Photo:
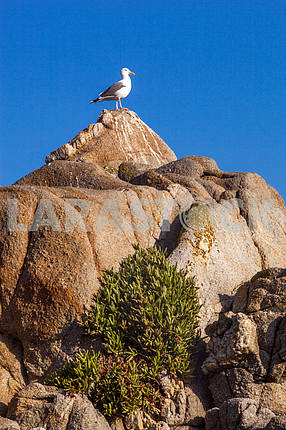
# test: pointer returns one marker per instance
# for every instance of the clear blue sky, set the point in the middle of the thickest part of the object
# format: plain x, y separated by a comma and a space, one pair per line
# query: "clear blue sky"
210, 77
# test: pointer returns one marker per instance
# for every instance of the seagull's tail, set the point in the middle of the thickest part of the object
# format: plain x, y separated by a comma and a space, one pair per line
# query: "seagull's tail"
95, 100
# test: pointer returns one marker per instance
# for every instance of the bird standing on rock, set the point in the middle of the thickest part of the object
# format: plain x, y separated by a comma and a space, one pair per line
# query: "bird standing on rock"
117, 91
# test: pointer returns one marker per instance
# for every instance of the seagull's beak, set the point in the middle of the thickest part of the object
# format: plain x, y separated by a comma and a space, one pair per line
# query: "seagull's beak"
131, 73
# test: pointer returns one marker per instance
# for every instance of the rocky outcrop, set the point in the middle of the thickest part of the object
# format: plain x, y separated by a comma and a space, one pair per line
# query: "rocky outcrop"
62, 173
117, 183
49, 273
247, 347
12, 372
39, 406
233, 224
6, 424
243, 414
180, 408
118, 136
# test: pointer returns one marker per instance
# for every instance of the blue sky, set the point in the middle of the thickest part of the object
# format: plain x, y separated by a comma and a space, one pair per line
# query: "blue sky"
210, 77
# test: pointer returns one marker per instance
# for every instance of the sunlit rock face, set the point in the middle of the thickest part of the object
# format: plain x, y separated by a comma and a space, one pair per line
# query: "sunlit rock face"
118, 136
117, 184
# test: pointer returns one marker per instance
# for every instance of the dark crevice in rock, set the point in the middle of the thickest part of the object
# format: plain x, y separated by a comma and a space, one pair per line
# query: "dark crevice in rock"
93, 251
21, 272
16, 342
168, 239
228, 381
260, 252
24, 370
276, 333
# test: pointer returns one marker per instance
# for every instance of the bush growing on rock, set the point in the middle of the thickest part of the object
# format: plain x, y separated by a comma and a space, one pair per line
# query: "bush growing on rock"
146, 316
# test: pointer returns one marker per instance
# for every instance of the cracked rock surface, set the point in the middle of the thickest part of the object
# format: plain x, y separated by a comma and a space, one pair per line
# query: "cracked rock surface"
243, 414
246, 351
114, 185
135, 141
39, 406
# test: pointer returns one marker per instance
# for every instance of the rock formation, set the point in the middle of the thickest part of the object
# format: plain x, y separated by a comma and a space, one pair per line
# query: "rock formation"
115, 184
118, 136
243, 413
39, 406
247, 347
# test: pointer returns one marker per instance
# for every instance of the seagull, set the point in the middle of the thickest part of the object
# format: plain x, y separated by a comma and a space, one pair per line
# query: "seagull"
117, 91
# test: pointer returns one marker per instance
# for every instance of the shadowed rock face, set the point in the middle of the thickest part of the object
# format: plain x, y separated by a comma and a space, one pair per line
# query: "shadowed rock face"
243, 413
247, 347
117, 183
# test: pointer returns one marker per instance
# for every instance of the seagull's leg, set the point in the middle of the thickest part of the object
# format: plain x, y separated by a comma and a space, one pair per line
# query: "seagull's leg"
116, 104
121, 105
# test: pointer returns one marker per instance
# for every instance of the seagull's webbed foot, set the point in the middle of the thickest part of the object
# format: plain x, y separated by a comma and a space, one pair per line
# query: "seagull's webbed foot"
121, 108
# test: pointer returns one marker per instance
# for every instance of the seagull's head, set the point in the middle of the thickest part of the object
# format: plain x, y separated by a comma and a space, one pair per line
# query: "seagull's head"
126, 71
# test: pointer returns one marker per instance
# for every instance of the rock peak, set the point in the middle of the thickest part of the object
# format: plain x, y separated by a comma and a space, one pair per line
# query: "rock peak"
117, 136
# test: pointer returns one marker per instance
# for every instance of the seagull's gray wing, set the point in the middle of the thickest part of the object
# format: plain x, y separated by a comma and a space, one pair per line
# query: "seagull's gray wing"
112, 90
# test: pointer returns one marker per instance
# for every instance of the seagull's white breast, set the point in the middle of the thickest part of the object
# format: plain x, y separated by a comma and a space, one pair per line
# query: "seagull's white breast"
125, 90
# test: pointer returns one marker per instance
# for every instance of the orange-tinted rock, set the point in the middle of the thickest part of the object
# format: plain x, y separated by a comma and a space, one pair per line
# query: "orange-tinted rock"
65, 223
118, 136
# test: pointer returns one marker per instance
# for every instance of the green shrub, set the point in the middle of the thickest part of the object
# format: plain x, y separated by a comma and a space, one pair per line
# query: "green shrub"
146, 316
